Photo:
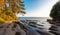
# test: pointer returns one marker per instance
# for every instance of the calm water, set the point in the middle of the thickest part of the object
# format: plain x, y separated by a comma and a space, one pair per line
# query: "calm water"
34, 18
43, 21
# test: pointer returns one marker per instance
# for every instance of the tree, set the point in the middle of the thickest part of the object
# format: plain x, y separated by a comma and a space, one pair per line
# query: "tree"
55, 12
8, 12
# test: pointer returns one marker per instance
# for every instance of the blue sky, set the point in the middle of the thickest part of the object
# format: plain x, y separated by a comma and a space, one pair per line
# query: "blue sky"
38, 8
33, 4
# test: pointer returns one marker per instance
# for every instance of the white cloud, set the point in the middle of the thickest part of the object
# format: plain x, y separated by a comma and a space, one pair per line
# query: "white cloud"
41, 11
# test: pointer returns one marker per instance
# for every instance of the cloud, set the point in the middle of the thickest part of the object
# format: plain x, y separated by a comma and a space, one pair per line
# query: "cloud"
43, 11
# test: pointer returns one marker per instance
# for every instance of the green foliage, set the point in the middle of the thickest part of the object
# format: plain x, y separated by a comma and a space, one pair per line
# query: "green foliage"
55, 12
1, 21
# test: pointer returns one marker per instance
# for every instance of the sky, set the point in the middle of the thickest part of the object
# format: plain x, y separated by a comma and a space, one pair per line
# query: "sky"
37, 8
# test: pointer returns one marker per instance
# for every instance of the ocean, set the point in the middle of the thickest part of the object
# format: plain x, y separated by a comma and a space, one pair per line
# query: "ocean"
34, 18
42, 21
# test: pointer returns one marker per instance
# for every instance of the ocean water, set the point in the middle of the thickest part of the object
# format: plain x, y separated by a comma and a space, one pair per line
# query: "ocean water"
41, 21
34, 18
